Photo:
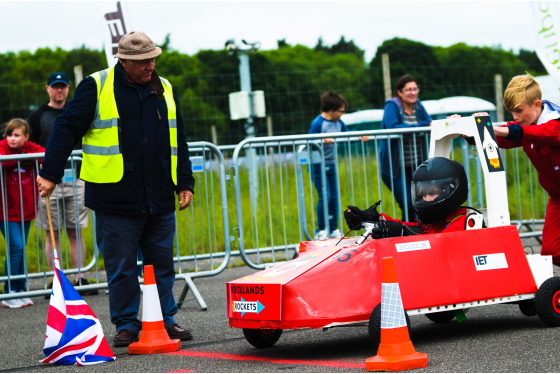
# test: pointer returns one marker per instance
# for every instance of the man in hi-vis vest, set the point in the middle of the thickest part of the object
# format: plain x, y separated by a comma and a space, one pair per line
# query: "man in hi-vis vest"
135, 159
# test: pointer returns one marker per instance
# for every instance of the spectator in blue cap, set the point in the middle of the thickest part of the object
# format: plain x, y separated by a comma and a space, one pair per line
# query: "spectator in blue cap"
65, 214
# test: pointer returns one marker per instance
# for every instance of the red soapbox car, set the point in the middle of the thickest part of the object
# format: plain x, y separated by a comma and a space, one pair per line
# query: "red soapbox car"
439, 275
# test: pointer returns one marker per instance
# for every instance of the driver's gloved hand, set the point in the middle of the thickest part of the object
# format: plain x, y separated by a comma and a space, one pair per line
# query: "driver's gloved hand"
355, 217
391, 229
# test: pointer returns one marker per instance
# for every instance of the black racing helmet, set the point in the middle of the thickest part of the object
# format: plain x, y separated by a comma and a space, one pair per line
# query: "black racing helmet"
439, 186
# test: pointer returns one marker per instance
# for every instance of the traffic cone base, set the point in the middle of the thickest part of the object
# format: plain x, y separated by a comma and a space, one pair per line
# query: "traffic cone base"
397, 363
153, 337
139, 348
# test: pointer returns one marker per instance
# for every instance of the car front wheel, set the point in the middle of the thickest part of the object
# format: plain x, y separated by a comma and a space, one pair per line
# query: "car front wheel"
547, 301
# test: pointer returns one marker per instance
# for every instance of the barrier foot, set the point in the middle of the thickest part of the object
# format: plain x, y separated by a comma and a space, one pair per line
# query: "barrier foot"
189, 284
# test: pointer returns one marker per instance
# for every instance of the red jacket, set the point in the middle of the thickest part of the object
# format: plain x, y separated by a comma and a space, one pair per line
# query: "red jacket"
11, 181
541, 143
453, 222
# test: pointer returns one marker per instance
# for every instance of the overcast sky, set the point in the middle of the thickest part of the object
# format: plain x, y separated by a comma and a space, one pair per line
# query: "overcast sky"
195, 25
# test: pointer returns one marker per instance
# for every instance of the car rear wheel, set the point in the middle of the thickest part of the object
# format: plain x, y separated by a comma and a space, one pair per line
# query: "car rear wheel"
528, 308
374, 326
547, 301
262, 338
441, 317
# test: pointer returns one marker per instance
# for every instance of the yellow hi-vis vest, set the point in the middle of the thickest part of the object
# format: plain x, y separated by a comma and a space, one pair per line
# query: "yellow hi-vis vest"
102, 160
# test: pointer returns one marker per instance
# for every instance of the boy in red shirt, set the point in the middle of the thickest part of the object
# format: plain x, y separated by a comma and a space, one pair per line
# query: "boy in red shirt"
536, 128
16, 174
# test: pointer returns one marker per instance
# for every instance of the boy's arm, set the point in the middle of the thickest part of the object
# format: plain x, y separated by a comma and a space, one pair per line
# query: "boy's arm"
509, 135
547, 133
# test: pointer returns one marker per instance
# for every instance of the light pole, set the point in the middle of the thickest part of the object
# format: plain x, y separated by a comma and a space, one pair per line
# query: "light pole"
242, 107
241, 51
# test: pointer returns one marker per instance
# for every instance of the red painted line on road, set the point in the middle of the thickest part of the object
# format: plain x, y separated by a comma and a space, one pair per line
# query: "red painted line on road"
180, 371
227, 356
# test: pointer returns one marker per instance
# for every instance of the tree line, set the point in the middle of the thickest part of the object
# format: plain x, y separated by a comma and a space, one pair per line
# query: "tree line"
292, 77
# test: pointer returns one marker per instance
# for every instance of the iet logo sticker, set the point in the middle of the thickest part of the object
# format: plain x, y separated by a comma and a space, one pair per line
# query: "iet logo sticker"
490, 262
416, 246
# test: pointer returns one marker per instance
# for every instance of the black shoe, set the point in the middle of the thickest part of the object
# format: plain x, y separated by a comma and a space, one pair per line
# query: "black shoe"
124, 338
85, 292
177, 332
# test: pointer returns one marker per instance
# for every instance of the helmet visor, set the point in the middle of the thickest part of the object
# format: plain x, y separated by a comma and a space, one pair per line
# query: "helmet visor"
434, 189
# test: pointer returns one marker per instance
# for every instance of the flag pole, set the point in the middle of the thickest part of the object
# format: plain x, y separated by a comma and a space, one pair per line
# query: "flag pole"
51, 226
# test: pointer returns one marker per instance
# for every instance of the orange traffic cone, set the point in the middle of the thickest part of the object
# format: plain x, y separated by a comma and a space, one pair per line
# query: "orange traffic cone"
396, 351
153, 337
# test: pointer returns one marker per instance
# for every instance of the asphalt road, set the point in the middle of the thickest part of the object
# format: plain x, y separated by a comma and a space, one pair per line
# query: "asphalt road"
493, 339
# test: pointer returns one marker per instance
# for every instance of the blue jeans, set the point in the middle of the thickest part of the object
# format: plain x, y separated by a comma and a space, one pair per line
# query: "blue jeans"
332, 196
118, 238
399, 192
17, 244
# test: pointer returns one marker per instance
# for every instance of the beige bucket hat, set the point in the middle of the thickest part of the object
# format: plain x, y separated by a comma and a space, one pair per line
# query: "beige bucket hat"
136, 45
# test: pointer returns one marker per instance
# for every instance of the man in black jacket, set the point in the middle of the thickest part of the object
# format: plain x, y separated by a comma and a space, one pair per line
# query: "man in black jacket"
135, 159
74, 215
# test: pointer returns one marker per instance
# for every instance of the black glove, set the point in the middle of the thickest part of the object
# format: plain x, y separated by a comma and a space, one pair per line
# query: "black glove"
391, 229
354, 216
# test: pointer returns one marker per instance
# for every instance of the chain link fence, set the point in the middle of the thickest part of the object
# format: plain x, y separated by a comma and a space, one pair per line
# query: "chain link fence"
292, 97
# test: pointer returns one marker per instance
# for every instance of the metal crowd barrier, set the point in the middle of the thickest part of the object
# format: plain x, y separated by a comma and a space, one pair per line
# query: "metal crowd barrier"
275, 197
37, 280
202, 242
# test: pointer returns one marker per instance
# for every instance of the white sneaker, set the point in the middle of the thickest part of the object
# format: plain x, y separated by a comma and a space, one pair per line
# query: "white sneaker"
13, 303
27, 301
321, 235
336, 234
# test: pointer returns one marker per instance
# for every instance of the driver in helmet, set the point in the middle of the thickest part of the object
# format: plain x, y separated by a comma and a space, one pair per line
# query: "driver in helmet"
439, 187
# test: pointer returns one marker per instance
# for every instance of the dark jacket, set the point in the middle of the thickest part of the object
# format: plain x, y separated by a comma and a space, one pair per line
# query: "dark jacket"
144, 142
41, 122
393, 118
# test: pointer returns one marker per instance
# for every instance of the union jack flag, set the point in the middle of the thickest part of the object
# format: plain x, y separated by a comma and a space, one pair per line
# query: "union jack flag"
74, 334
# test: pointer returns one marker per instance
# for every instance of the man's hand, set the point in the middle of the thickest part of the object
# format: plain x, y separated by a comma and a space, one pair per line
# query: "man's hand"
185, 198
46, 187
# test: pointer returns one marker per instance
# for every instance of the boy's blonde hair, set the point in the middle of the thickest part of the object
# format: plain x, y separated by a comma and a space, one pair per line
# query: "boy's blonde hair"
16, 123
522, 89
